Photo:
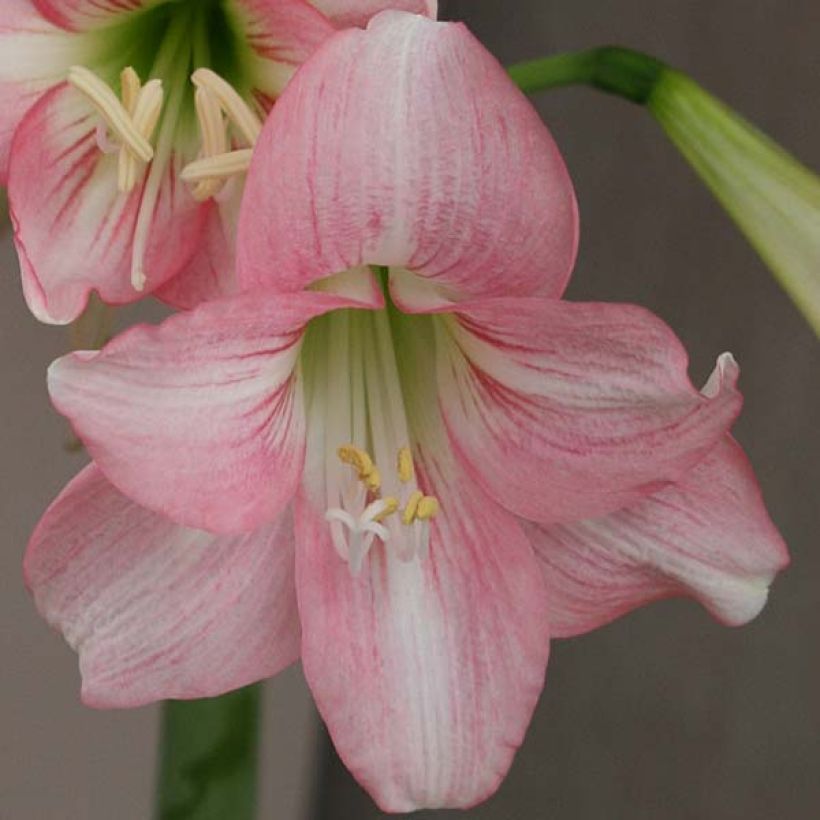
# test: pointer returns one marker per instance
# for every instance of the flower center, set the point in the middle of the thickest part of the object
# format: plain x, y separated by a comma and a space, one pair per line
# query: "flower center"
184, 51
404, 520
360, 463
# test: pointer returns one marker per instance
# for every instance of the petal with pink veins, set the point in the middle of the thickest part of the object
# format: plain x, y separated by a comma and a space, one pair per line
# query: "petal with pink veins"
200, 418
565, 411
708, 536
426, 672
80, 15
283, 34
421, 154
34, 55
346, 13
156, 610
211, 272
74, 230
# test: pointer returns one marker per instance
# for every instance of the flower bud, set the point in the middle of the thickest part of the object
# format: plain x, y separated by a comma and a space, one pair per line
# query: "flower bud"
773, 199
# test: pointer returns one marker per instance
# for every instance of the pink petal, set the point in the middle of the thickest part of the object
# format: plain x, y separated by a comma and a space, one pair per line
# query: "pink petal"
79, 15
565, 411
420, 154
346, 13
34, 55
156, 610
708, 536
284, 33
74, 231
426, 672
211, 272
200, 418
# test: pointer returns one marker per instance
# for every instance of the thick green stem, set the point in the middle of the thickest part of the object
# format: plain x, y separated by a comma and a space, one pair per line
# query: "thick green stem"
208, 758
620, 71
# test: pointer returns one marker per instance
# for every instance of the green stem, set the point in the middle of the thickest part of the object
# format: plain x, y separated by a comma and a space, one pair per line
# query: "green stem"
208, 758
620, 71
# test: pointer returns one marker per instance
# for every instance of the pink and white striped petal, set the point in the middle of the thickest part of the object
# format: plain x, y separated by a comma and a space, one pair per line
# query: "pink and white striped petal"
211, 272
283, 34
426, 673
708, 536
347, 13
156, 610
422, 154
81, 15
34, 55
200, 418
564, 411
74, 230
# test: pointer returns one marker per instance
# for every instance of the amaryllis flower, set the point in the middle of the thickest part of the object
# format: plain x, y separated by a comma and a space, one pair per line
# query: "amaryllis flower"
399, 432
125, 131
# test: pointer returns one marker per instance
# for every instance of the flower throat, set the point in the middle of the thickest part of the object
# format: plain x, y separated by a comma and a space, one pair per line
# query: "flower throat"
361, 435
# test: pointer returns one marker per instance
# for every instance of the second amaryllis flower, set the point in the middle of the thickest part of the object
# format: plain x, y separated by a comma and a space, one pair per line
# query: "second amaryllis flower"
462, 458
126, 129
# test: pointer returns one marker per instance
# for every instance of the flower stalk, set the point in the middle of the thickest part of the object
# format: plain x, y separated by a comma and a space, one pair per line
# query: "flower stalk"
209, 757
772, 198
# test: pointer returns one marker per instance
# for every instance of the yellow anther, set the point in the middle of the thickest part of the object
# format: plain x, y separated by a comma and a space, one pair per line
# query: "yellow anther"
428, 508
356, 458
405, 465
411, 509
392, 504
373, 480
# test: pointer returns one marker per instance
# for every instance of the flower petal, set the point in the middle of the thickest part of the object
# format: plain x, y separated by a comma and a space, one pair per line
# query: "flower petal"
346, 13
708, 536
34, 55
211, 272
200, 418
156, 610
74, 231
283, 34
426, 672
79, 15
565, 411
421, 154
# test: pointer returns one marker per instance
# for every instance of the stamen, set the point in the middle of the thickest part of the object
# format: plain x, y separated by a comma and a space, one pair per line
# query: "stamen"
391, 504
356, 457
428, 508
130, 87
111, 110
217, 168
405, 465
236, 109
132, 120
145, 115
217, 164
214, 143
373, 480
411, 508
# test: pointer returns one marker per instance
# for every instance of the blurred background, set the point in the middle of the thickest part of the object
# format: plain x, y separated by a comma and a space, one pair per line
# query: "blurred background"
663, 714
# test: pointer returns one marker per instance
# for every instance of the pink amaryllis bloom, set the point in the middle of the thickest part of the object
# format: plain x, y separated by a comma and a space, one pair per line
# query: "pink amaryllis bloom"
126, 127
407, 462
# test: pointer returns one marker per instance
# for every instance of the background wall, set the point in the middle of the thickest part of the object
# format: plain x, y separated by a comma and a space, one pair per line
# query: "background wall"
661, 715
666, 715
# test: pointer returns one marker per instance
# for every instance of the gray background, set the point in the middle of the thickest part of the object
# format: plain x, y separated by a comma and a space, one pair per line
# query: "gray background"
661, 715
